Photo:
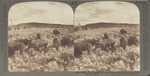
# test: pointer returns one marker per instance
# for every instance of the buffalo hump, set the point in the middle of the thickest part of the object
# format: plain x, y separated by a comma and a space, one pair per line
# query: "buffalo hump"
123, 31
80, 47
91, 41
132, 40
66, 41
105, 44
14, 46
56, 32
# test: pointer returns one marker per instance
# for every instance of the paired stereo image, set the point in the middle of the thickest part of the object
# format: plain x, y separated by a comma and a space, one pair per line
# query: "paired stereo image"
98, 36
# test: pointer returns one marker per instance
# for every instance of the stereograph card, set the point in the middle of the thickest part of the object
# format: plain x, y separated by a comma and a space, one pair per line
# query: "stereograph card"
74, 37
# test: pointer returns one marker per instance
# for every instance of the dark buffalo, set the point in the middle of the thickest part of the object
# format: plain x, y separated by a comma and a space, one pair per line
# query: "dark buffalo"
56, 32
132, 40
56, 43
105, 36
91, 41
38, 36
14, 46
25, 41
37, 44
80, 47
123, 43
65, 41
105, 45
123, 31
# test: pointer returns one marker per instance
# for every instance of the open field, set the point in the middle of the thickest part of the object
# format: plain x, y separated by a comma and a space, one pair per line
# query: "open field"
64, 60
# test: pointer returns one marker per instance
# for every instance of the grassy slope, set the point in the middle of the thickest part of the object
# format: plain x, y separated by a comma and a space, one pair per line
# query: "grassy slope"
98, 60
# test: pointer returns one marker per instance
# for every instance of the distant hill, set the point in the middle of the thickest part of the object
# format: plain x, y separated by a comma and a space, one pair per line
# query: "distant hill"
38, 25
85, 27
110, 25
104, 25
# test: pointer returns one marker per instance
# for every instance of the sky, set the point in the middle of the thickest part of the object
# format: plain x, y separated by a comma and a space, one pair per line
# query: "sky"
43, 12
61, 13
107, 11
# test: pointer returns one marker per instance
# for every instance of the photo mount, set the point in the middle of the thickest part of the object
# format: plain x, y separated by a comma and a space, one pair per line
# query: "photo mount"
144, 8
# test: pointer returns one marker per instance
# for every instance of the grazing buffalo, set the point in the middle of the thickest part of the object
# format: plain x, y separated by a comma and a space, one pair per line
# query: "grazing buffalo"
123, 43
65, 41
123, 31
105, 36
56, 32
37, 44
56, 43
25, 41
91, 41
80, 47
14, 46
132, 40
105, 45
38, 36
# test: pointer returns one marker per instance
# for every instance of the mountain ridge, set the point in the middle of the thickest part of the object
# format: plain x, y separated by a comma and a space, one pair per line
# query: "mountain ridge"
48, 25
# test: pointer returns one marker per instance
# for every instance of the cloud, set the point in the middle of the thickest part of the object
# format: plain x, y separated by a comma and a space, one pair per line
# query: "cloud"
107, 11
44, 12
90, 12
98, 12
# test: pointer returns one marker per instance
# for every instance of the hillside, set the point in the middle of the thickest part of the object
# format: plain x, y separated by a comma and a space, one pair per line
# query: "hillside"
110, 25
38, 25
84, 27
104, 25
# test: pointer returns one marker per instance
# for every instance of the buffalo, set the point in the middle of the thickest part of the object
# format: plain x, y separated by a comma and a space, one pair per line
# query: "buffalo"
132, 40
37, 44
38, 36
123, 42
91, 41
80, 47
25, 41
14, 46
105, 36
123, 31
56, 43
105, 44
66, 41
56, 32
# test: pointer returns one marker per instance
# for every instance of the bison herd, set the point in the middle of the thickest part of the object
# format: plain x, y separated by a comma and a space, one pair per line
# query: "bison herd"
105, 43
38, 43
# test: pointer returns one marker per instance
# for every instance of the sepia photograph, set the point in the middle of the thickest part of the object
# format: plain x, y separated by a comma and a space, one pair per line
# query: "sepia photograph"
101, 36
40, 37
107, 36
